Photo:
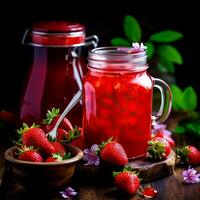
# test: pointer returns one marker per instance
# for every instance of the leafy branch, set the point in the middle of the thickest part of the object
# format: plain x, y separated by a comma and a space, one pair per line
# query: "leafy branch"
161, 53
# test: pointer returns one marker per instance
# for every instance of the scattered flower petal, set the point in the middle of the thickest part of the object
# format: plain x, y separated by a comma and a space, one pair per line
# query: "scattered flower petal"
68, 193
190, 176
90, 155
136, 48
161, 128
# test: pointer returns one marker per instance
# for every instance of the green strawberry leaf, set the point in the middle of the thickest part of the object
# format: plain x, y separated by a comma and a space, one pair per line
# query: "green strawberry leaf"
166, 36
189, 99
120, 42
132, 29
169, 54
150, 49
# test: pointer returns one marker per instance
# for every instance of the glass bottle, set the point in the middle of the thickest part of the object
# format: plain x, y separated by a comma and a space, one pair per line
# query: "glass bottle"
56, 70
117, 94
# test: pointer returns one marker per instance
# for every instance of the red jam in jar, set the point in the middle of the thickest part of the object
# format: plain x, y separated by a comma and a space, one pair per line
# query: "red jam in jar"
117, 93
56, 70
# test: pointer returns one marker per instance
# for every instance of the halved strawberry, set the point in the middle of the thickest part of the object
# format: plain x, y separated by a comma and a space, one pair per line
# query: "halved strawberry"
51, 119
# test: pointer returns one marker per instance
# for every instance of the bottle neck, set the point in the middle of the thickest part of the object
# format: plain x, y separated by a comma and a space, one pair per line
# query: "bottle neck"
115, 59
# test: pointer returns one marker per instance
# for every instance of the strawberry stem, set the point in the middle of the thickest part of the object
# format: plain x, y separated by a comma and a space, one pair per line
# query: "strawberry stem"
50, 115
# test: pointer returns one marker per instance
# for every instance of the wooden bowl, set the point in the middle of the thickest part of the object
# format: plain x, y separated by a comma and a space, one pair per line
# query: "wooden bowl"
44, 175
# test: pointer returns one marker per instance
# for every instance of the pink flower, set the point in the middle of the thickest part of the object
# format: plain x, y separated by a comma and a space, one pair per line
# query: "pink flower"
161, 128
190, 176
68, 193
90, 155
136, 48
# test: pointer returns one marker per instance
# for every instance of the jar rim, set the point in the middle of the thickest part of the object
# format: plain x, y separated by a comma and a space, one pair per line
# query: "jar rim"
118, 58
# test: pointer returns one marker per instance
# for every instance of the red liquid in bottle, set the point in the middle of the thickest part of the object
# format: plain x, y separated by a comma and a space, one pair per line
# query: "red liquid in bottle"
56, 71
118, 105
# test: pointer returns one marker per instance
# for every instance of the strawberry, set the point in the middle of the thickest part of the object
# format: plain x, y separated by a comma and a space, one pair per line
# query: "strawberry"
189, 154
62, 135
29, 154
57, 157
54, 158
36, 137
127, 181
169, 139
75, 137
51, 119
158, 148
59, 148
113, 153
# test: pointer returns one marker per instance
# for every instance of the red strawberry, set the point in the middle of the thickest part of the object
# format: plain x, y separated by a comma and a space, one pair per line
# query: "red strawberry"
57, 157
62, 135
29, 154
158, 148
113, 153
51, 119
54, 158
76, 138
59, 148
169, 139
36, 137
127, 181
189, 154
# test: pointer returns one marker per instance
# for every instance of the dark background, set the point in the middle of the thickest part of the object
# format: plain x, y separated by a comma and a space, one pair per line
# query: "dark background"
101, 19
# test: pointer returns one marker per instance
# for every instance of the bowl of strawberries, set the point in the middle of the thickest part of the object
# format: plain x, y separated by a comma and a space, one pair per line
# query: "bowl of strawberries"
39, 162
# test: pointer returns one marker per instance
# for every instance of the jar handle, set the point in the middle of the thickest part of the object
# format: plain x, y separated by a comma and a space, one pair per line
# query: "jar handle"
92, 40
166, 101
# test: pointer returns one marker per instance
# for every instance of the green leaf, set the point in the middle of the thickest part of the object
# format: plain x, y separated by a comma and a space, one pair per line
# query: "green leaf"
189, 99
177, 102
179, 130
193, 128
166, 66
132, 29
169, 54
120, 42
150, 49
166, 36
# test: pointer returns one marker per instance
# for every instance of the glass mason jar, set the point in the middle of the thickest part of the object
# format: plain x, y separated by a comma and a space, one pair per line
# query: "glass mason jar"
117, 94
56, 70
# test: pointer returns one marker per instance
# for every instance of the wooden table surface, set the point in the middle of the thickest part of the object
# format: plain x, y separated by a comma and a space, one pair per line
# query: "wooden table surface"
169, 188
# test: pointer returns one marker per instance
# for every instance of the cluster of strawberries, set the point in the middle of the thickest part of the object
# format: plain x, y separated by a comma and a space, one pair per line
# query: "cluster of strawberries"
161, 145
159, 148
35, 146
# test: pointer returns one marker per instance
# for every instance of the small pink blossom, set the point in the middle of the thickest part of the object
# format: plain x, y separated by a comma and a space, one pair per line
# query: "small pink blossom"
161, 128
90, 155
190, 176
68, 193
136, 48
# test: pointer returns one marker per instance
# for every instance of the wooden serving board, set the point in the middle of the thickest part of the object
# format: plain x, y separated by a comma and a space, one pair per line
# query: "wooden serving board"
148, 170
151, 170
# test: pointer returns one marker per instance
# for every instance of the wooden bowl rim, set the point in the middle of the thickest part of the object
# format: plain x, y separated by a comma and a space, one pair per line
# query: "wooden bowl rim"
77, 151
